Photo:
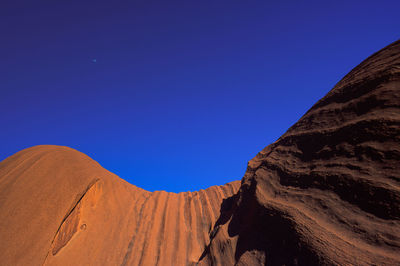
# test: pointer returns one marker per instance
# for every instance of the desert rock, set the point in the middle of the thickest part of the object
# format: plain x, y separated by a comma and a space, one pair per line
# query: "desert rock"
327, 192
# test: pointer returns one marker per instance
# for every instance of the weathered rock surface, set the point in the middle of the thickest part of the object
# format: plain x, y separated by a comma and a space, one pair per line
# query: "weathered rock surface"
59, 207
326, 193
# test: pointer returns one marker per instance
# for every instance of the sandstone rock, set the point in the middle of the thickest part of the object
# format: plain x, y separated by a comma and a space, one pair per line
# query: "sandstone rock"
326, 193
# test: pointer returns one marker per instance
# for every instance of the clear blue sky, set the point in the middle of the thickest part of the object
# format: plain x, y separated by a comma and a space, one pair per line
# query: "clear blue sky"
175, 95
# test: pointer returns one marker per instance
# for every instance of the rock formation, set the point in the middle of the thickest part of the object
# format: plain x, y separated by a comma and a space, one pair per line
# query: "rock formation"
60, 207
326, 193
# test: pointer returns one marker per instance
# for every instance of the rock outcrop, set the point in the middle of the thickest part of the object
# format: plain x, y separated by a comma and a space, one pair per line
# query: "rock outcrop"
326, 193
59, 207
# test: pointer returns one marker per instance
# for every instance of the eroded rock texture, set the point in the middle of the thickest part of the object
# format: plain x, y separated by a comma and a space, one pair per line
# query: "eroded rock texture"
59, 207
325, 193
328, 191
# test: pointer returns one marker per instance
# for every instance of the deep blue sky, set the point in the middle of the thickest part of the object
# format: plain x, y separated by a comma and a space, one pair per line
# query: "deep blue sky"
182, 93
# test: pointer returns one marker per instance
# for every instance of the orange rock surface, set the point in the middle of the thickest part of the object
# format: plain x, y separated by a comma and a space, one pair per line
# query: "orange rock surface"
60, 207
326, 193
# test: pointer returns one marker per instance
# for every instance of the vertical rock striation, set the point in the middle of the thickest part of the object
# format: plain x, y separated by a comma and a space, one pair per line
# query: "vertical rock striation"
59, 207
326, 193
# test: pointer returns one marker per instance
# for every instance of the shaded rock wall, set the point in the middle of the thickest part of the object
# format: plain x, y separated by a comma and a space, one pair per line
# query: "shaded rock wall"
327, 191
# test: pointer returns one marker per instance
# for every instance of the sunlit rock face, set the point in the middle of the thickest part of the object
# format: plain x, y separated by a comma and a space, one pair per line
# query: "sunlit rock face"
326, 193
60, 207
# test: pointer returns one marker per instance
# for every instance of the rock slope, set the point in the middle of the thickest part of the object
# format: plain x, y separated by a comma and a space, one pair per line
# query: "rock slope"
326, 193
59, 207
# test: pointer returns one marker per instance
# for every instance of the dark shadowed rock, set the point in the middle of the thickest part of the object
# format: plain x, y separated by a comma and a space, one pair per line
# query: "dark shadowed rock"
326, 193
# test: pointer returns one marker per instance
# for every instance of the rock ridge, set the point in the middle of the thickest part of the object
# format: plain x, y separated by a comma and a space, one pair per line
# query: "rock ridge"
327, 192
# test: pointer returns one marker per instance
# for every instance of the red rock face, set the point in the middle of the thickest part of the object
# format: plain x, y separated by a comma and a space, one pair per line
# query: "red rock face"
59, 207
328, 190
325, 193
70, 224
